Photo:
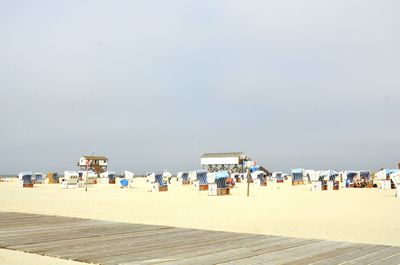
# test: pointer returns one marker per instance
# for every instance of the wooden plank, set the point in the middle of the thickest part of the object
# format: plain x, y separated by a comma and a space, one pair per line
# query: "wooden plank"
283, 256
390, 260
175, 253
375, 256
104, 242
243, 253
324, 254
347, 256
43, 239
150, 251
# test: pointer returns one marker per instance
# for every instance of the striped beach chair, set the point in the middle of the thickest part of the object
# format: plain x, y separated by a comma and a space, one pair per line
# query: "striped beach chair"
183, 178
348, 177
202, 178
220, 187
158, 183
297, 176
199, 178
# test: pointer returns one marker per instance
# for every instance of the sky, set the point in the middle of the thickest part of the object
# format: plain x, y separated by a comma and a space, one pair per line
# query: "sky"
153, 85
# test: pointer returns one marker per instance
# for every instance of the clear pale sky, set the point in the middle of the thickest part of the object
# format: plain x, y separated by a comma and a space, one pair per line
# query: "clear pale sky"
154, 84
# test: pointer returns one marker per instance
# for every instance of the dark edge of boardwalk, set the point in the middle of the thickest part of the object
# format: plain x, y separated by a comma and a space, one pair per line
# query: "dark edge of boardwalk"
105, 242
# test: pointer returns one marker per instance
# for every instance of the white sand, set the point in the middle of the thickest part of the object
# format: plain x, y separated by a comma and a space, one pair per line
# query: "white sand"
11, 257
353, 215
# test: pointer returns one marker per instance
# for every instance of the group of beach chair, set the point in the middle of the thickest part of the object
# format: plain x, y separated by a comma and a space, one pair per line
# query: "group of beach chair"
214, 183
28, 179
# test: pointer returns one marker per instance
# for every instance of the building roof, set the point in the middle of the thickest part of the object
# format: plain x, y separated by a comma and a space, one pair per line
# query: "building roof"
95, 157
232, 154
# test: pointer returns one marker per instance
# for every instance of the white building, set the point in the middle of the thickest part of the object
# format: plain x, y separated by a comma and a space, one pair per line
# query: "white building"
232, 162
97, 164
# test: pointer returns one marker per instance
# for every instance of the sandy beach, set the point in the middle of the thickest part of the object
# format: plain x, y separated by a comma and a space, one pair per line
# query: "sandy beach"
12, 257
352, 215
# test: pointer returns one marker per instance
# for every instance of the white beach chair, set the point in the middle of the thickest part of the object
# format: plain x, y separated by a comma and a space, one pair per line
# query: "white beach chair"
200, 180
220, 186
38, 178
129, 176
157, 182
395, 177
259, 178
70, 179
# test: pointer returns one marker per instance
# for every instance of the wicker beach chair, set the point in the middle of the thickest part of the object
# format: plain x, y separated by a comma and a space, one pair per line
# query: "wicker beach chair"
157, 182
26, 179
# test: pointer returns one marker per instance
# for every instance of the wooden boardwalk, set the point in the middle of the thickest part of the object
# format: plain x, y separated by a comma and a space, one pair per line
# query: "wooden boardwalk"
103, 242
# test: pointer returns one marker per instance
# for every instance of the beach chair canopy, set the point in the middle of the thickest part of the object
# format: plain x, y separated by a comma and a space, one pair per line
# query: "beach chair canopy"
54, 176
151, 177
26, 177
182, 175
179, 174
39, 177
365, 174
329, 174
185, 176
279, 176
391, 171
194, 175
350, 174
159, 178
24, 173
112, 175
395, 177
202, 177
385, 173
128, 174
298, 170
167, 174
258, 175
297, 173
220, 179
221, 174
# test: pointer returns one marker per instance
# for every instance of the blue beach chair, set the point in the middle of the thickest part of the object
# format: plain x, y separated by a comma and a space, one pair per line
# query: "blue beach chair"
159, 184
26, 179
221, 181
297, 176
